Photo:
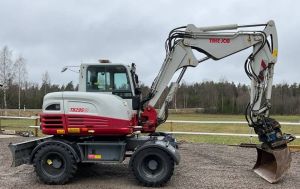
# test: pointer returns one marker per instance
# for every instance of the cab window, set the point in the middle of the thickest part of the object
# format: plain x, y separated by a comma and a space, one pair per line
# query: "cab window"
53, 107
109, 79
120, 81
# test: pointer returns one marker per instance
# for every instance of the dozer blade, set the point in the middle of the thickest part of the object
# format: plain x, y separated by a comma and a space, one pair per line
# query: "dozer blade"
272, 164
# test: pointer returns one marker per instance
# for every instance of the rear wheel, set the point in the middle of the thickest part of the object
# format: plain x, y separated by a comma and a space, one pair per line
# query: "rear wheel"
153, 167
55, 164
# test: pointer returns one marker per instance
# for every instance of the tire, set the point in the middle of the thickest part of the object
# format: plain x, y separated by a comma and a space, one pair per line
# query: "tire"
54, 164
152, 167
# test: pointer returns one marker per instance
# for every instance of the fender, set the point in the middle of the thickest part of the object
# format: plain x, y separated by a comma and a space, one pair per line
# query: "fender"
160, 144
64, 143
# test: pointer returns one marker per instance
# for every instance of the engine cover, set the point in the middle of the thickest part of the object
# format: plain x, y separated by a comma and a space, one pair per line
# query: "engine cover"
83, 113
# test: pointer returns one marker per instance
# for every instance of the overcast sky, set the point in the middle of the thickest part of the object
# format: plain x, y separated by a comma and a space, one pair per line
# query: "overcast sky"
56, 33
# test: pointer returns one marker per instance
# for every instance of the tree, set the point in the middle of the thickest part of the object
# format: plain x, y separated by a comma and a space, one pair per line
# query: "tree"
69, 86
45, 82
6, 71
22, 74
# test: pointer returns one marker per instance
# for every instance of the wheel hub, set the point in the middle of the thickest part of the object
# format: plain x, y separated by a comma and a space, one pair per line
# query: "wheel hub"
57, 163
152, 165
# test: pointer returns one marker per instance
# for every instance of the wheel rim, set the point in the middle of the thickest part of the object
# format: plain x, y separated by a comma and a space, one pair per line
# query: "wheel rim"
53, 164
152, 166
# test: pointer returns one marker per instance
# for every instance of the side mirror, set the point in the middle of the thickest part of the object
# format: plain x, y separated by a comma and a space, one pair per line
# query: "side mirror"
136, 77
137, 91
136, 102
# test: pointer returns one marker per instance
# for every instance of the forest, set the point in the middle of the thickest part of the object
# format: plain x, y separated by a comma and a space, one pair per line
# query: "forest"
230, 98
213, 97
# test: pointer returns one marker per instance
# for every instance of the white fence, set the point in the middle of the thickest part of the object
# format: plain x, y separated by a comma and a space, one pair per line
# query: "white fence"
15, 117
35, 127
186, 122
224, 122
219, 122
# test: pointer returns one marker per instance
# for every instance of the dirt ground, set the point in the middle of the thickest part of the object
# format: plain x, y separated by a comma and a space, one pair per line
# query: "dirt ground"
202, 166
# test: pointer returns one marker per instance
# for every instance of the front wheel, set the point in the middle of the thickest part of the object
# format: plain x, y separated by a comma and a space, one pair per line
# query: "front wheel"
153, 167
55, 164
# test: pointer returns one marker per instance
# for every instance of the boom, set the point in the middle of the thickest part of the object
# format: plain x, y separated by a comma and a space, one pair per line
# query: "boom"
217, 44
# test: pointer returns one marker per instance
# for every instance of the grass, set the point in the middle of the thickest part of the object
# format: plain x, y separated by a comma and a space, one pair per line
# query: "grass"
214, 128
216, 139
18, 124
222, 128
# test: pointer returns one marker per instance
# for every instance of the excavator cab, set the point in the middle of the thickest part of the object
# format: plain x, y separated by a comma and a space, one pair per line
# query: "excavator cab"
110, 78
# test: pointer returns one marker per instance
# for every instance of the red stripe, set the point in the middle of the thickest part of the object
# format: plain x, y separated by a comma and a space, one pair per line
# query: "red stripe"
99, 124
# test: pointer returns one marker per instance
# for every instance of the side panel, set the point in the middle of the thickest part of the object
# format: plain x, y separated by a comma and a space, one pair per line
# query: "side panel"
84, 125
102, 151
86, 114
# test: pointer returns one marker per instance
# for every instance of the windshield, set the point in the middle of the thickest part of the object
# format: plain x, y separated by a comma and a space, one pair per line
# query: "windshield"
108, 79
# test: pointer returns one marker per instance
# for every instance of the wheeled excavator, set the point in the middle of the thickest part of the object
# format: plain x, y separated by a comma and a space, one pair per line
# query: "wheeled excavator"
107, 120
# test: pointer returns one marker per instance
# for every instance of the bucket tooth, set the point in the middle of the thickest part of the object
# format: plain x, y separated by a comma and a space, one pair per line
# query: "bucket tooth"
272, 164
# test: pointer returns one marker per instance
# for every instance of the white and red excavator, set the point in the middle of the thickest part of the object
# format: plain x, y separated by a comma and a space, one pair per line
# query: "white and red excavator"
103, 121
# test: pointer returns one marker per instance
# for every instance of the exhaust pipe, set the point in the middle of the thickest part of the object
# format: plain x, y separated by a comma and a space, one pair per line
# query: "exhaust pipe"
272, 164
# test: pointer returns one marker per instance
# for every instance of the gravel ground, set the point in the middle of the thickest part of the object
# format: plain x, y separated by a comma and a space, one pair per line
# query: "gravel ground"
202, 166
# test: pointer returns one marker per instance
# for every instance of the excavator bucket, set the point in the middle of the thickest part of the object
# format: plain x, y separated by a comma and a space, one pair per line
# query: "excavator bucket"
271, 165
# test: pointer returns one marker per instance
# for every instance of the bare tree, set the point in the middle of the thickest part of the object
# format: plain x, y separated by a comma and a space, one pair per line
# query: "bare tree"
6, 71
45, 81
22, 74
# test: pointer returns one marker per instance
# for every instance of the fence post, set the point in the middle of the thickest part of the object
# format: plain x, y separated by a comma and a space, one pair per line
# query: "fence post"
171, 126
36, 129
251, 131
